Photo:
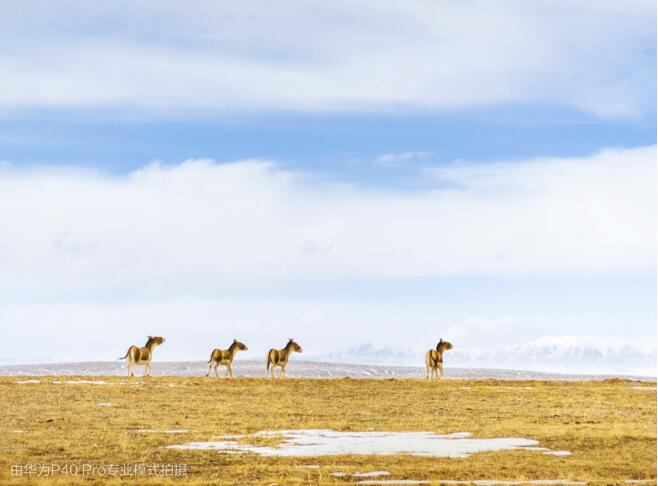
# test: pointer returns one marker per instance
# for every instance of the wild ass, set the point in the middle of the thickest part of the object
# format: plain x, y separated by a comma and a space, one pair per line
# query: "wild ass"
142, 356
225, 357
434, 358
279, 357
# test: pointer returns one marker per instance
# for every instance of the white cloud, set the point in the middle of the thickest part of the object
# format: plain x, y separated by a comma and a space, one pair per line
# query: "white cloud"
401, 158
163, 57
93, 262
201, 224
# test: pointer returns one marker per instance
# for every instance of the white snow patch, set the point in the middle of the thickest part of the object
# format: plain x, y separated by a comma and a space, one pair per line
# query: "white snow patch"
104, 404
28, 382
80, 382
321, 442
371, 474
558, 453
546, 450
503, 482
169, 431
393, 481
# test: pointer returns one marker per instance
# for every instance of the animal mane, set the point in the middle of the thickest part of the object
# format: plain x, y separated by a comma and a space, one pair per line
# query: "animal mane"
442, 345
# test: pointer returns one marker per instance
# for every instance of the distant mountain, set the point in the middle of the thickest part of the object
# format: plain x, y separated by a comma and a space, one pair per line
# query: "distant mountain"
565, 354
368, 353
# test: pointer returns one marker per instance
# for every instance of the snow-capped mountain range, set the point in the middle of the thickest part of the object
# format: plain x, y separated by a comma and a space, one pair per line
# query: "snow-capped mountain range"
566, 354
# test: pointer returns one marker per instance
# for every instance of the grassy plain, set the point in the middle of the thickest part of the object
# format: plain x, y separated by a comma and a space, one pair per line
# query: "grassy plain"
609, 427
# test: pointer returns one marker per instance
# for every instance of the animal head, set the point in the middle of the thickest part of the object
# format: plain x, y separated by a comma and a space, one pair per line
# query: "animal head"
293, 345
238, 345
155, 340
443, 345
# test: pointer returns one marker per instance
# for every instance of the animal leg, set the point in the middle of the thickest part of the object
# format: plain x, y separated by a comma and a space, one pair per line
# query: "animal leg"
229, 371
441, 370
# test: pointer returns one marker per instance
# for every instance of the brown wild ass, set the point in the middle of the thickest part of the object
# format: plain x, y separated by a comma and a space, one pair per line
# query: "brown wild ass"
142, 356
279, 357
225, 357
434, 358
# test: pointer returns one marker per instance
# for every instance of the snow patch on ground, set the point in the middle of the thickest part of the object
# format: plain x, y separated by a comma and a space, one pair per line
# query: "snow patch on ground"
475, 482
393, 481
371, 474
558, 453
321, 442
80, 382
168, 431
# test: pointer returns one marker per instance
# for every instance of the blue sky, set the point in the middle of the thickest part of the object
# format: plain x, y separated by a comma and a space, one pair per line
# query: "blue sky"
350, 172
342, 145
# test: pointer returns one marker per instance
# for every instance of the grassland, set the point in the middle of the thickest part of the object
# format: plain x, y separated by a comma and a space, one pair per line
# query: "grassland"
610, 427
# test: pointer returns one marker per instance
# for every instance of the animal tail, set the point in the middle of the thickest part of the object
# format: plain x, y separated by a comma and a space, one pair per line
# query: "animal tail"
124, 357
268, 361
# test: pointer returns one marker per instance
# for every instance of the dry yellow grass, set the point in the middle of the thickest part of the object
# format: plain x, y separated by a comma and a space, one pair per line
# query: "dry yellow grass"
610, 427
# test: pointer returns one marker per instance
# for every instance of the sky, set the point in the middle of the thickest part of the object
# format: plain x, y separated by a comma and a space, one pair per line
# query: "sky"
341, 173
